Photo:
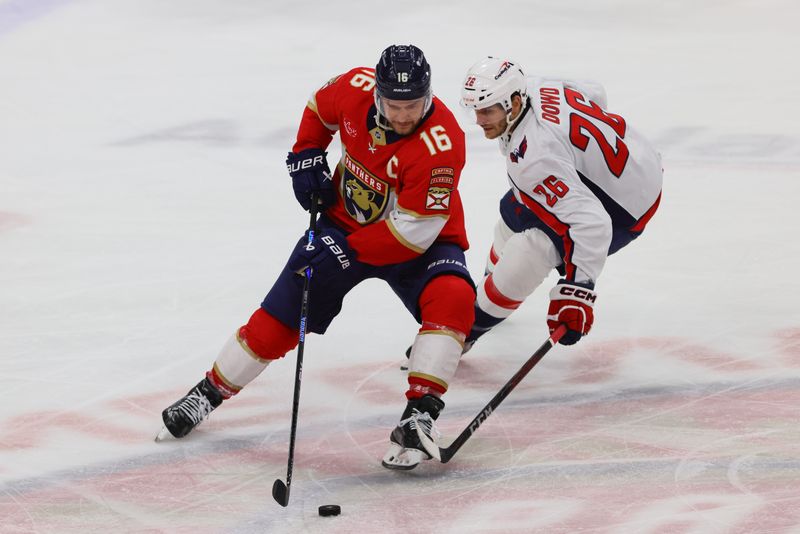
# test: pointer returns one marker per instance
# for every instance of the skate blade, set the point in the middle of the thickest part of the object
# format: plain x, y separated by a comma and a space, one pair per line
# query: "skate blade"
163, 435
402, 459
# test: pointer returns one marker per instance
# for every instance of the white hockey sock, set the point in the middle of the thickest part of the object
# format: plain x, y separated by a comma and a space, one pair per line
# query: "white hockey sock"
525, 261
435, 354
491, 300
502, 233
237, 365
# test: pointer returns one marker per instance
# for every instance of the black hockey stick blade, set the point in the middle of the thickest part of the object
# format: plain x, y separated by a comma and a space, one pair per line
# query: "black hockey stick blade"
280, 492
445, 454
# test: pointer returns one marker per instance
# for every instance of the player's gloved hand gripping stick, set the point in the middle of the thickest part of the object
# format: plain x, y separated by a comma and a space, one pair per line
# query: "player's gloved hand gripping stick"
572, 304
311, 176
326, 253
280, 491
444, 455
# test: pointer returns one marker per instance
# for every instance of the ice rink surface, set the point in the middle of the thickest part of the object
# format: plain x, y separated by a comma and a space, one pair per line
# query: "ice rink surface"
145, 211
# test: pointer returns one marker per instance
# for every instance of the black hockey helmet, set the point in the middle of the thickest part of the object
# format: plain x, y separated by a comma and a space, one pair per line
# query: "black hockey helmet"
402, 73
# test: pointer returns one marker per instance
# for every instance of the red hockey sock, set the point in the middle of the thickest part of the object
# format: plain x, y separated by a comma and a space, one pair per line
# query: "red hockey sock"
446, 304
267, 337
419, 387
256, 344
449, 301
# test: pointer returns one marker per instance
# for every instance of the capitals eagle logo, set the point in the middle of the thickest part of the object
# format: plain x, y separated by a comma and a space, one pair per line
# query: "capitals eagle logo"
519, 152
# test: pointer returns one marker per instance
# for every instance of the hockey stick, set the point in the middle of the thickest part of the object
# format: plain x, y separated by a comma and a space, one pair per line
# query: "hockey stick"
280, 491
444, 455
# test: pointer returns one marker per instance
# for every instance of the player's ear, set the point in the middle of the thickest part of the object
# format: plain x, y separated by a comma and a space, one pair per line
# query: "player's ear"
516, 103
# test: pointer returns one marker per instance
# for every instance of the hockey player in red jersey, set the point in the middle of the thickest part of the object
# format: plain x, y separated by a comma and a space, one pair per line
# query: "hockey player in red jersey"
583, 185
391, 211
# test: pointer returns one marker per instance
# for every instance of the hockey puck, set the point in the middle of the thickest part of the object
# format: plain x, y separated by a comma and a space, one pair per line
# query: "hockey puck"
327, 510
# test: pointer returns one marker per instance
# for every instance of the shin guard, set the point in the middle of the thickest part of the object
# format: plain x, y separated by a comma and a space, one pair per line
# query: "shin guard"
447, 313
248, 352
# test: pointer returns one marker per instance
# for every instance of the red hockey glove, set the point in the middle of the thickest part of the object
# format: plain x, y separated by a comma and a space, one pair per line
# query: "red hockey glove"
571, 304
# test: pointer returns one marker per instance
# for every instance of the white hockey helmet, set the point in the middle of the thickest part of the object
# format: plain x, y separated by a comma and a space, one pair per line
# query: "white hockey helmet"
493, 81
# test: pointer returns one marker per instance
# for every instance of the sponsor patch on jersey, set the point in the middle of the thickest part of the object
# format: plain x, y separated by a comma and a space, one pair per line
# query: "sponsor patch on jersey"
365, 195
519, 152
438, 198
443, 177
378, 136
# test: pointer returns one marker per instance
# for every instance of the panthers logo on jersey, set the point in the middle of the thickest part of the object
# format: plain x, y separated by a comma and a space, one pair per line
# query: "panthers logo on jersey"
364, 194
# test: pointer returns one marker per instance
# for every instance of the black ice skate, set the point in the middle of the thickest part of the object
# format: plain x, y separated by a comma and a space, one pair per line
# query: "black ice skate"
181, 417
406, 451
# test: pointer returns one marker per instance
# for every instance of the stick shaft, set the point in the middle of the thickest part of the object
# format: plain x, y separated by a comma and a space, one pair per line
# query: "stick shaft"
487, 410
283, 496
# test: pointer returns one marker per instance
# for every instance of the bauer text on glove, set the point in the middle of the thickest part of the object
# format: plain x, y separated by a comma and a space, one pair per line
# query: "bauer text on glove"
310, 174
327, 255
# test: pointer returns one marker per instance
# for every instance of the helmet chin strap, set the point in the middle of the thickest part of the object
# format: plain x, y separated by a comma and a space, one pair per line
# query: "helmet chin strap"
383, 122
511, 123
380, 118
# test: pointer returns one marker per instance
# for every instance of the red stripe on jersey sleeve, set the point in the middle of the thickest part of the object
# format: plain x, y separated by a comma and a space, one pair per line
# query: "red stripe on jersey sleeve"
562, 229
497, 297
641, 223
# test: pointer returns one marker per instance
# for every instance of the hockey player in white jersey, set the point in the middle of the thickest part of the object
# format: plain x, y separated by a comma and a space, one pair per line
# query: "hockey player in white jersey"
583, 185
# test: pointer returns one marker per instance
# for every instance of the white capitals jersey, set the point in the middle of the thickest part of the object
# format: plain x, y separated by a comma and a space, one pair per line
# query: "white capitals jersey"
584, 172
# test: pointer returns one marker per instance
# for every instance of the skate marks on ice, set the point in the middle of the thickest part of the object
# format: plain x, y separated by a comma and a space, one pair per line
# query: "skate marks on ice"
209, 133
207, 481
573, 448
10, 221
695, 144
16, 14
690, 144
562, 469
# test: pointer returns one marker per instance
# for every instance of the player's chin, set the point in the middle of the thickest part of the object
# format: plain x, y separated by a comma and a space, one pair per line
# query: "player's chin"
491, 133
403, 129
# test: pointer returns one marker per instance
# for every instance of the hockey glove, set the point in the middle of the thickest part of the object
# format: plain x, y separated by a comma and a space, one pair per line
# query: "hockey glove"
310, 174
571, 304
328, 255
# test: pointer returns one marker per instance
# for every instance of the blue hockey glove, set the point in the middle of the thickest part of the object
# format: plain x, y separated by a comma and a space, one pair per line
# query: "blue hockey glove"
310, 174
328, 255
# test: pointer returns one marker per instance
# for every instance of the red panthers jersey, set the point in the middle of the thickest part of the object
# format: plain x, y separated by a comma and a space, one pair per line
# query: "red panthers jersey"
397, 195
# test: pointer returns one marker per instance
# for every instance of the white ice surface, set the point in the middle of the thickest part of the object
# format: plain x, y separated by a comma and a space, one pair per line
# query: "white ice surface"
145, 211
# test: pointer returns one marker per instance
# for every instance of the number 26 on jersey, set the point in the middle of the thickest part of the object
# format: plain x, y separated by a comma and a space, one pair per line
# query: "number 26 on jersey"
551, 189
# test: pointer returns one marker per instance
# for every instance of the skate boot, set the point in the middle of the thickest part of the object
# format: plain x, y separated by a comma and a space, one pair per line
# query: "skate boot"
181, 418
406, 451
468, 343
